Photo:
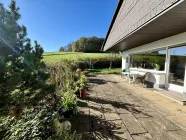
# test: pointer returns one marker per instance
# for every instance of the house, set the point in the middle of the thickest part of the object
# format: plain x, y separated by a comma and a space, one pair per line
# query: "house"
151, 35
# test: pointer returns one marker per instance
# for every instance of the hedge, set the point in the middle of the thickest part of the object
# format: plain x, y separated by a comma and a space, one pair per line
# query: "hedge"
99, 63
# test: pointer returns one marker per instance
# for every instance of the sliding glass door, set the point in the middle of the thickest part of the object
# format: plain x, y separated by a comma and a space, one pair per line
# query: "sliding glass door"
177, 69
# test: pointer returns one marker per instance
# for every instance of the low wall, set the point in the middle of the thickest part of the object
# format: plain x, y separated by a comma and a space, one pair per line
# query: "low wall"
156, 78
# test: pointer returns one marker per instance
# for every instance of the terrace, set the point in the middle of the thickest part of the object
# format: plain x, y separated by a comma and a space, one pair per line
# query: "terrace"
115, 109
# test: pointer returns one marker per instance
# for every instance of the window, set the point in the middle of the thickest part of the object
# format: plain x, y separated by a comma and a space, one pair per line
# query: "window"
177, 65
149, 60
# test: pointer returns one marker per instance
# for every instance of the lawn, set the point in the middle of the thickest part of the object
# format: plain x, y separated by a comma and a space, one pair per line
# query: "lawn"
104, 71
53, 57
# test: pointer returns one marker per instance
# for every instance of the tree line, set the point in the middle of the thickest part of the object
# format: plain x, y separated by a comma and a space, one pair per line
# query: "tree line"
84, 44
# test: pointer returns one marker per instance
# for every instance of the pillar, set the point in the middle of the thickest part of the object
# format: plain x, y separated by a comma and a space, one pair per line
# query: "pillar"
125, 60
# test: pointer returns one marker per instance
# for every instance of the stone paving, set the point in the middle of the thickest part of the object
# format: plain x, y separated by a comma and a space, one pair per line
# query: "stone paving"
112, 111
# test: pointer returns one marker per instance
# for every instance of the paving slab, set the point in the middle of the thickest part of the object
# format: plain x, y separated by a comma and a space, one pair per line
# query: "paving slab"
96, 113
132, 124
108, 108
145, 136
155, 130
164, 122
178, 134
112, 116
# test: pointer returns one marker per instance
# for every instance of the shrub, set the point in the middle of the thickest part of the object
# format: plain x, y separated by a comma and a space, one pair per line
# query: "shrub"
68, 105
99, 62
34, 125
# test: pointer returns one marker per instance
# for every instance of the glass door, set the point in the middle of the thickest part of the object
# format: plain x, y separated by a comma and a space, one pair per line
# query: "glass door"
177, 69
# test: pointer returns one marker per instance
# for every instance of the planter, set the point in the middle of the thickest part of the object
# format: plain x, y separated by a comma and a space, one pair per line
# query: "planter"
77, 93
83, 93
79, 70
16, 111
65, 113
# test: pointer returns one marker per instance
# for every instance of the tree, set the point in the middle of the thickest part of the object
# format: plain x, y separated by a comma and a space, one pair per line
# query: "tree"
69, 47
22, 74
82, 44
90, 44
75, 46
111, 57
61, 49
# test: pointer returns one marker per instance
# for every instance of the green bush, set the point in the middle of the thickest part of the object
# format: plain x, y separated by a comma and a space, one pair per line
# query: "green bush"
69, 102
81, 64
34, 125
99, 62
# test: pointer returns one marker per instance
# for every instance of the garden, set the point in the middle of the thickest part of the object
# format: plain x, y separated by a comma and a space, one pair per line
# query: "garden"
37, 100
39, 91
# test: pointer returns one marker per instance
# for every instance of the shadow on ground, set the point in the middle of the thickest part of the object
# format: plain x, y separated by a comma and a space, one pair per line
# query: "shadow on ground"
96, 127
99, 81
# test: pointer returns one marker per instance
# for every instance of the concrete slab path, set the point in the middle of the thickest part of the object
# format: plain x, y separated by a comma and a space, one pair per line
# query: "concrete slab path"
116, 110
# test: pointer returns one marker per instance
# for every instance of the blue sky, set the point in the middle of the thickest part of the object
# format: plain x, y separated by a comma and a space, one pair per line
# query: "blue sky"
55, 23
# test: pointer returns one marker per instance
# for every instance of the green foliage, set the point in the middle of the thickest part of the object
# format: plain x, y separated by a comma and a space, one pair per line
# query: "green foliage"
28, 90
83, 81
82, 59
157, 67
61, 49
34, 125
149, 61
90, 44
68, 101
63, 74
23, 76
65, 135
104, 71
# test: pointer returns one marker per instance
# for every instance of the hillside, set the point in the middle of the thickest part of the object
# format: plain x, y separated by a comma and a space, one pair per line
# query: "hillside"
53, 57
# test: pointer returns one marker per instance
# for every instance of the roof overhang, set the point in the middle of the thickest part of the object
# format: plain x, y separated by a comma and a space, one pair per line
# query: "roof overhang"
168, 23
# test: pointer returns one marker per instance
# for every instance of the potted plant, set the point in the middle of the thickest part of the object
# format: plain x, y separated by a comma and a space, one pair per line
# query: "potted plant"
157, 67
79, 70
67, 105
83, 83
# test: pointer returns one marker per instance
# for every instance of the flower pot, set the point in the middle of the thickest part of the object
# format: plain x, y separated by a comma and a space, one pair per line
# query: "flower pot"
79, 70
16, 111
83, 93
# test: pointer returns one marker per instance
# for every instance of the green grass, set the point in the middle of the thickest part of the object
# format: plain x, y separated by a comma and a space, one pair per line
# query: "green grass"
53, 57
104, 71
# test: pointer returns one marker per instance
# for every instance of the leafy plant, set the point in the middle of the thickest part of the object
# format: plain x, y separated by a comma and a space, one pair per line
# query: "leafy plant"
63, 74
32, 125
65, 135
157, 66
69, 101
82, 82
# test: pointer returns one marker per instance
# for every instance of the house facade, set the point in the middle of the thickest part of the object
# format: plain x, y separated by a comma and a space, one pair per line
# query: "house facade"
151, 35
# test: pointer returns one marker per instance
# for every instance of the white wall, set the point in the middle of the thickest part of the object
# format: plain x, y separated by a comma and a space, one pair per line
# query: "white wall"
184, 88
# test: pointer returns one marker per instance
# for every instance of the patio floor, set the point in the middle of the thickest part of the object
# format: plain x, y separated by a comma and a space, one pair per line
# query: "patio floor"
117, 110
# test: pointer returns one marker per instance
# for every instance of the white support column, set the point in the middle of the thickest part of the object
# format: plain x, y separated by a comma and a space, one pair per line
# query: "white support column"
167, 65
125, 60
184, 86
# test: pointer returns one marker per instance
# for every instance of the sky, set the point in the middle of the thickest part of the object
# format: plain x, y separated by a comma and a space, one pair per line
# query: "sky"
55, 23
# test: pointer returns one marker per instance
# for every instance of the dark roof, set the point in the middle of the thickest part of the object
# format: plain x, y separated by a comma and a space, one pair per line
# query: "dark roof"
168, 21
112, 22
